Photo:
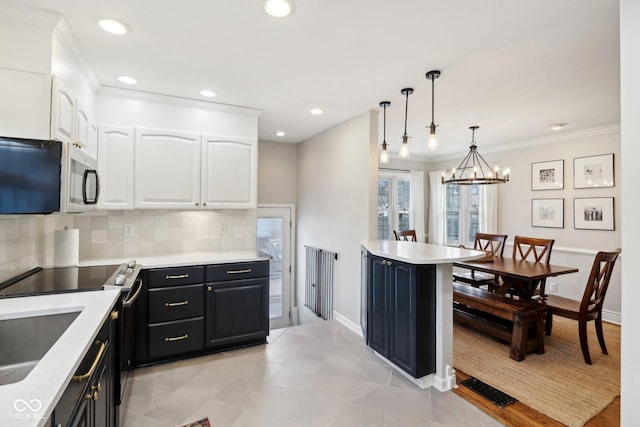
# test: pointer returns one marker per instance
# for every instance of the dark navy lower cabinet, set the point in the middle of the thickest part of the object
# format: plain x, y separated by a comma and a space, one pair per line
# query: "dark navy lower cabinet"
401, 318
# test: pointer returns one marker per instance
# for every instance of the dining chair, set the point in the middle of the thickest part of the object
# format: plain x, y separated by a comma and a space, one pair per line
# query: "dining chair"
408, 235
493, 244
531, 249
590, 306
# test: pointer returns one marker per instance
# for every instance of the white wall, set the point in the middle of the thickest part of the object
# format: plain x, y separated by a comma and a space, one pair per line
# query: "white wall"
630, 100
277, 172
572, 247
337, 188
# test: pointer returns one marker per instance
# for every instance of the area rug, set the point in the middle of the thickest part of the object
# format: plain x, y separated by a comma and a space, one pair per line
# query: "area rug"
557, 383
200, 423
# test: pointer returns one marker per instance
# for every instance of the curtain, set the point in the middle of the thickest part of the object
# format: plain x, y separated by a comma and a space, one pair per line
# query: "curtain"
436, 209
488, 209
416, 204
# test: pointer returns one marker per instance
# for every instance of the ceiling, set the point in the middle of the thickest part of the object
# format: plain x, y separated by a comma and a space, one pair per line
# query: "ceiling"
511, 67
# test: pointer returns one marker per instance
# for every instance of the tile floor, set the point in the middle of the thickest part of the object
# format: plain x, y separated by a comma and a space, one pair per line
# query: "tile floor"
318, 374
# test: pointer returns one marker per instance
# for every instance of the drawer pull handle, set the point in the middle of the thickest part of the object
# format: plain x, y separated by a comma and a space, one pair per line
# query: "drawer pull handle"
176, 304
93, 365
177, 276
181, 337
248, 270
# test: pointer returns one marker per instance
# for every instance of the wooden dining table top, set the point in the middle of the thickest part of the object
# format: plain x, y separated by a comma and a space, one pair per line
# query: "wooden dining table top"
517, 269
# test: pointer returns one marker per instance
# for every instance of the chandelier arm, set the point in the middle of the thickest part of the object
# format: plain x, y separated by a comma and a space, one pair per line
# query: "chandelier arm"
486, 164
464, 162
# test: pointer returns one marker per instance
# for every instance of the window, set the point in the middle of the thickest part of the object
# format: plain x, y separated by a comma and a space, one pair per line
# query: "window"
462, 214
393, 203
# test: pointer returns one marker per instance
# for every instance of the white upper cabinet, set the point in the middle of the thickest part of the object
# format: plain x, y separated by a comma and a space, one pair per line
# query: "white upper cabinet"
229, 172
63, 111
115, 167
71, 121
167, 169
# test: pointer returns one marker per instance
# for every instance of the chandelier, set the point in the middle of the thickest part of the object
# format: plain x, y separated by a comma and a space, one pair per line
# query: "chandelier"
474, 169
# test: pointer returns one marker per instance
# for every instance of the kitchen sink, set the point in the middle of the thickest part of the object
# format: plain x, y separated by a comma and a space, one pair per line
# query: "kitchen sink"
25, 340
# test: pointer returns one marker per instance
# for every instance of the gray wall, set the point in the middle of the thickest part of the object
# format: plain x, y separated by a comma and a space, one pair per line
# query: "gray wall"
277, 172
337, 190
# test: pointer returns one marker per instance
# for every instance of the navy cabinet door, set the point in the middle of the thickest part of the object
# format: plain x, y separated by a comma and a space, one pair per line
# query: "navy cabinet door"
379, 306
402, 315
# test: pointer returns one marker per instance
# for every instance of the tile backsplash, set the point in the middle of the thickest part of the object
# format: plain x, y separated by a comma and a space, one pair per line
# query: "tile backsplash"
27, 241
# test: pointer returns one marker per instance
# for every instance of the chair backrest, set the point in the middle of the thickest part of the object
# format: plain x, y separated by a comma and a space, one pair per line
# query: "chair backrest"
598, 281
408, 235
540, 249
493, 243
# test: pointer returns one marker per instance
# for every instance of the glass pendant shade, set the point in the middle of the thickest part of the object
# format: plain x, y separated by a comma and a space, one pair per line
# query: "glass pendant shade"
404, 147
384, 152
432, 142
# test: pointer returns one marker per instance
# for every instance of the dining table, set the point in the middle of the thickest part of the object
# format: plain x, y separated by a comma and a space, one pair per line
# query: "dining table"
519, 276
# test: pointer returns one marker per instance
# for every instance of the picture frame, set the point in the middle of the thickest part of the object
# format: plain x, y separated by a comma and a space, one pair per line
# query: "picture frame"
593, 171
547, 213
547, 175
593, 213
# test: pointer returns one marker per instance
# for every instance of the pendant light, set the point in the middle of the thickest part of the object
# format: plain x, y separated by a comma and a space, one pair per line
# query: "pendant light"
474, 169
384, 153
404, 147
432, 143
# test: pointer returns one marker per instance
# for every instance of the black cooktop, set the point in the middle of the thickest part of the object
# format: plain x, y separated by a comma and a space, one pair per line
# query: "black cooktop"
57, 280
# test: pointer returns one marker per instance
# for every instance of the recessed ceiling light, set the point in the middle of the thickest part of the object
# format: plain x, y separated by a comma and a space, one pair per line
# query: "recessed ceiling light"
279, 133
128, 80
208, 93
557, 126
278, 8
113, 27
316, 111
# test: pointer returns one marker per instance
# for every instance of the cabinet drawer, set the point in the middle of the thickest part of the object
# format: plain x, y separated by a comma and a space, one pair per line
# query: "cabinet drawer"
162, 277
175, 303
171, 338
237, 271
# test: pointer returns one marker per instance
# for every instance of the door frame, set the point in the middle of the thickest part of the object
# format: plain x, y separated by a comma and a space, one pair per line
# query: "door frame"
292, 253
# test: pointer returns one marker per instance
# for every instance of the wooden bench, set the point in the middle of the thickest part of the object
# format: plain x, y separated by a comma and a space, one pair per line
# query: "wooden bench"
516, 321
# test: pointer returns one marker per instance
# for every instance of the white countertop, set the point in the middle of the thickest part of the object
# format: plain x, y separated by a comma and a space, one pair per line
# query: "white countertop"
183, 259
420, 253
44, 385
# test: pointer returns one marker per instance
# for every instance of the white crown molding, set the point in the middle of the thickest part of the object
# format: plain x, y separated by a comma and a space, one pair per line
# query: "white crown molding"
564, 137
64, 33
176, 100
29, 16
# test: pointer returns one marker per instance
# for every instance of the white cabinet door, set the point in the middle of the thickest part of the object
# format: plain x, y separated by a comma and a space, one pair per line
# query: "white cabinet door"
25, 104
81, 129
229, 172
115, 167
62, 112
92, 144
167, 169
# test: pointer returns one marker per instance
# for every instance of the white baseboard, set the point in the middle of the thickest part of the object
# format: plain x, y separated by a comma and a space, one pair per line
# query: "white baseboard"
348, 323
612, 317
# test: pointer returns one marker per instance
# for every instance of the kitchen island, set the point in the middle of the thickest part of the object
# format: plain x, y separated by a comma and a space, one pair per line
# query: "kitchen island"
408, 307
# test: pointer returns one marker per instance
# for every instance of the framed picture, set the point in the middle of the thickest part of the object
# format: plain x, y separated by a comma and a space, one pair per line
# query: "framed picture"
593, 171
547, 175
547, 213
595, 213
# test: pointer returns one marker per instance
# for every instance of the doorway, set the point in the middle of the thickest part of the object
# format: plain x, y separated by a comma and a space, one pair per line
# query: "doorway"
274, 237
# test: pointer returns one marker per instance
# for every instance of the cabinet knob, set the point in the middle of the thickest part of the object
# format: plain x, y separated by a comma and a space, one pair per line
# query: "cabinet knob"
204, 204
197, 204
388, 262
209, 288
114, 315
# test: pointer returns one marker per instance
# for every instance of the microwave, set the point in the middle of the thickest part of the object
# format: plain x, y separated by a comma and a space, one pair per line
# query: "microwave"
80, 181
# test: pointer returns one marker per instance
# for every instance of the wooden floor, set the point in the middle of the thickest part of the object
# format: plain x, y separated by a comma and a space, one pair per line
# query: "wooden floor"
520, 415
